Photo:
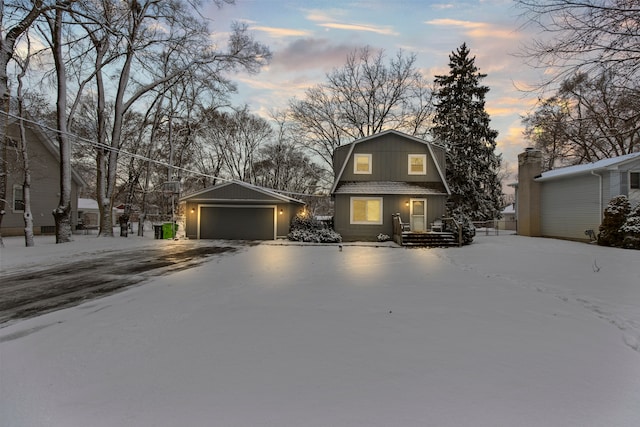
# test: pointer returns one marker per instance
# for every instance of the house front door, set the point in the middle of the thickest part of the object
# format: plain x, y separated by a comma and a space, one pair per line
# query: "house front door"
418, 214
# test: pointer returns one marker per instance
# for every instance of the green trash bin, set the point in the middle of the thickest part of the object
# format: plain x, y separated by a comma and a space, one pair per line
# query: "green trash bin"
168, 231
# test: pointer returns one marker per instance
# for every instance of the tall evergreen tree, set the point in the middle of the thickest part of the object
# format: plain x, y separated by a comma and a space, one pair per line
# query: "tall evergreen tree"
461, 125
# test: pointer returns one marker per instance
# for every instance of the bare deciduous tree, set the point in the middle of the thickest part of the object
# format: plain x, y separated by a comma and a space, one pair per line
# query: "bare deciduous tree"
23, 147
580, 36
15, 19
282, 164
588, 119
62, 213
364, 97
239, 135
149, 45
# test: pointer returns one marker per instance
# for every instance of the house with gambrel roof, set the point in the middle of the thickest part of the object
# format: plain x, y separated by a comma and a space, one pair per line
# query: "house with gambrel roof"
385, 174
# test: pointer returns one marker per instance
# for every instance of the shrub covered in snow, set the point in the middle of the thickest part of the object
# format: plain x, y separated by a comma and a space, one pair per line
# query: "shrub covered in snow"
383, 237
631, 229
615, 215
304, 228
468, 229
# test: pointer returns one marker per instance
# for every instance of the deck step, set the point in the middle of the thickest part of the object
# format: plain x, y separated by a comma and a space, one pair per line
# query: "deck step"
429, 239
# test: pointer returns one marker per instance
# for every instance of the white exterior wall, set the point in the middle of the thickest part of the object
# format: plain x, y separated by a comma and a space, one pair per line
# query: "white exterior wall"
570, 206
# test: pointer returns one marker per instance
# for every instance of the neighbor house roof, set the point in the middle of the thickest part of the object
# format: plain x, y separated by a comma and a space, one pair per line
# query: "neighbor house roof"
389, 187
611, 163
87, 204
370, 137
263, 190
510, 209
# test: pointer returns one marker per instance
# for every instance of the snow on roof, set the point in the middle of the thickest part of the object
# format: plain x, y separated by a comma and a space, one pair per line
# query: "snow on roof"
509, 209
268, 191
87, 204
388, 187
588, 167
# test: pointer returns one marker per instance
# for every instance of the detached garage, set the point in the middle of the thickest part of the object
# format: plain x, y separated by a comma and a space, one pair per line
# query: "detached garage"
238, 211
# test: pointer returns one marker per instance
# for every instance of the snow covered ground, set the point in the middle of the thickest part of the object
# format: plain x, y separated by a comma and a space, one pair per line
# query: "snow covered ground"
509, 331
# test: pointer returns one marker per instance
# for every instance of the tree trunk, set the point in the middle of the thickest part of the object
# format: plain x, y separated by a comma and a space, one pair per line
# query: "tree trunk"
62, 214
4, 124
26, 185
28, 218
124, 225
104, 202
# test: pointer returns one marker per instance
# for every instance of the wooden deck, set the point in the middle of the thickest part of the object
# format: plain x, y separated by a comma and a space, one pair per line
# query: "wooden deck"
432, 239
403, 236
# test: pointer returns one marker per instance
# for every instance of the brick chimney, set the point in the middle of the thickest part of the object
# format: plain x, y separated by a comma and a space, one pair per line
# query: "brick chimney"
528, 199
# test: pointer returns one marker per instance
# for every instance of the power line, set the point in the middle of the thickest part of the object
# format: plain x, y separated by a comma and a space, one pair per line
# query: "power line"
120, 151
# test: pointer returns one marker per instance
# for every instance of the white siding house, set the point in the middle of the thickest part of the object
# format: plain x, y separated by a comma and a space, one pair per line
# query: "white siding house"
572, 199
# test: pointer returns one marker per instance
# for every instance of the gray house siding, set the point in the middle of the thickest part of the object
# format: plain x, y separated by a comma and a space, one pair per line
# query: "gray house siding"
391, 204
570, 206
389, 157
45, 187
388, 180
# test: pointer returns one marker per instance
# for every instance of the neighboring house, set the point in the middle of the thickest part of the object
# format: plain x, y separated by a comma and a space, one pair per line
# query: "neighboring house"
384, 174
508, 220
566, 202
45, 183
238, 211
88, 213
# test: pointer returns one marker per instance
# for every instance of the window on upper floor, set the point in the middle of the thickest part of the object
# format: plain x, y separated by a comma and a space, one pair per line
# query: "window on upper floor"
417, 164
362, 163
634, 180
18, 198
366, 210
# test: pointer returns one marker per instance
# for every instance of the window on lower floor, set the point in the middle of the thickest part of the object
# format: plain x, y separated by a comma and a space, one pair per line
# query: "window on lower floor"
634, 180
18, 198
366, 210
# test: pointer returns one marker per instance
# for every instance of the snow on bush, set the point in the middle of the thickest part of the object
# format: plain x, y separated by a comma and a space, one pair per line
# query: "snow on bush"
631, 229
383, 237
615, 215
468, 229
307, 229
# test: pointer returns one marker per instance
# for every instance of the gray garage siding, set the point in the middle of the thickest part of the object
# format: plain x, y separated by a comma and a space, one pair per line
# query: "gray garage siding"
570, 206
237, 222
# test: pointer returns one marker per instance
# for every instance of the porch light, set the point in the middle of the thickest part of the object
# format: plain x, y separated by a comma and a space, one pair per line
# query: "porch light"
406, 203
281, 211
193, 210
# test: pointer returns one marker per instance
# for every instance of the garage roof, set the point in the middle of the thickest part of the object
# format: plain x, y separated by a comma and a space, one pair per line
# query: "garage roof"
261, 193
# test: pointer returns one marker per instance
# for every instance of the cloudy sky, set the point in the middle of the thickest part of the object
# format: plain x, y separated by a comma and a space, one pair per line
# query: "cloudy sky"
308, 38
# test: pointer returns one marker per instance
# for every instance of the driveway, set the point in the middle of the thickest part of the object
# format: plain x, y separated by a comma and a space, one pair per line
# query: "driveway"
31, 290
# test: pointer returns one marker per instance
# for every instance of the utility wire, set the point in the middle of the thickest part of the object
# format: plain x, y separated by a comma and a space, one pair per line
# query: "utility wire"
120, 151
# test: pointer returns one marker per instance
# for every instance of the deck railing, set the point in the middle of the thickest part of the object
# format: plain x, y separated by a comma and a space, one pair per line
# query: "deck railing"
455, 225
401, 229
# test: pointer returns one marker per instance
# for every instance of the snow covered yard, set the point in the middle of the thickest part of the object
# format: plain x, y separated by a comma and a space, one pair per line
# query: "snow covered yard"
509, 331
